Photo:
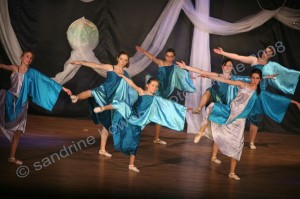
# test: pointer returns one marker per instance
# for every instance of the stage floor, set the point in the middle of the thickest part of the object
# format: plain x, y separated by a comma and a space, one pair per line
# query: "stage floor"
61, 160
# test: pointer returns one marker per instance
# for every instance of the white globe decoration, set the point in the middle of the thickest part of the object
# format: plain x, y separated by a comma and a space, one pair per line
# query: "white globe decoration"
83, 35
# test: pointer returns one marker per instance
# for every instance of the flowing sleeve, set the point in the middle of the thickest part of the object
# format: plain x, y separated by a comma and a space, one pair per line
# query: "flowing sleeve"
168, 113
43, 90
182, 80
171, 77
156, 109
287, 79
128, 113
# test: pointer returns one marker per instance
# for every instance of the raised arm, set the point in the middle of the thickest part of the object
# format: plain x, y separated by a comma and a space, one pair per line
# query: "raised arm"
228, 81
12, 68
244, 59
106, 67
132, 84
270, 76
159, 62
195, 70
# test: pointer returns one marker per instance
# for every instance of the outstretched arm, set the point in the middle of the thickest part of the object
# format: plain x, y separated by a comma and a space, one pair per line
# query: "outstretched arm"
159, 62
228, 81
132, 84
12, 68
296, 103
270, 76
106, 67
244, 59
195, 70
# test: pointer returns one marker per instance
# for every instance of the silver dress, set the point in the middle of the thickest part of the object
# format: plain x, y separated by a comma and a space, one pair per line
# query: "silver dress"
19, 124
229, 137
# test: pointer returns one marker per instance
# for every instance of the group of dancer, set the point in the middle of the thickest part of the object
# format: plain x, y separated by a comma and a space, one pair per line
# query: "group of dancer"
124, 109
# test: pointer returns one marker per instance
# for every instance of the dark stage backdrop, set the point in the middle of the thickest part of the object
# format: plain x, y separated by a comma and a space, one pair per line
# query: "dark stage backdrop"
41, 26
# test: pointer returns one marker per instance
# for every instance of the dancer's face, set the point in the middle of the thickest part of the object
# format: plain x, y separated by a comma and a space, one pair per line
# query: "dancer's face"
27, 58
227, 67
267, 54
255, 79
152, 87
170, 57
123, 60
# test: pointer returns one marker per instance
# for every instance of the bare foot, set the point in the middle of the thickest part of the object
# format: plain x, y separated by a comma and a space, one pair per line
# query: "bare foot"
99, 109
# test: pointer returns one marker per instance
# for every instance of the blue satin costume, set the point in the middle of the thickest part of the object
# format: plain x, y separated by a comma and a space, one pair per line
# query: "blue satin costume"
113, 88
221, 112
171, 77
269, 104
42, 91
225, 93
129, 121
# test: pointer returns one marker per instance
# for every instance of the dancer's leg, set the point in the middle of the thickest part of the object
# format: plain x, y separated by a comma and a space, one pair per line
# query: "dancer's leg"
200, 133
157, 133
104, 136
103, 108
232, 170
205, 99
13, 149
131, 164
81, 96
214, 154
252, 135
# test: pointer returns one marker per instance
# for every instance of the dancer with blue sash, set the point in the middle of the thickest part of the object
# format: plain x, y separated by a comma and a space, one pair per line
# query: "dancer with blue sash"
221, 93
129, 121
113, 88
170, 76
26, 83
267, 103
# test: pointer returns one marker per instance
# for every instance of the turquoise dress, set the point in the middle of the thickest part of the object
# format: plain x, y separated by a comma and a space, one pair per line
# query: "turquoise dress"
113, 88
42, 91
267, 102
225, 93
129, 121
171, 77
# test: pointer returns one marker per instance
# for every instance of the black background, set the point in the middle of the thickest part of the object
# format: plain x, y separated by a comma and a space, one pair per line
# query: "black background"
41, 26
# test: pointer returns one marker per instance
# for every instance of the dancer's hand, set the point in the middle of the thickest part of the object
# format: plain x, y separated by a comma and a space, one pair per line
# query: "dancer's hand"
181, 64
218, 51
75, 63
139, 49
204, 76
271, 76
68, 91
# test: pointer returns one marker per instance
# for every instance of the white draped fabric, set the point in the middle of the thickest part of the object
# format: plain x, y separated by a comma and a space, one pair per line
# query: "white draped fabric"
83, 37
200, 46
288, 16
7, 35
157, 37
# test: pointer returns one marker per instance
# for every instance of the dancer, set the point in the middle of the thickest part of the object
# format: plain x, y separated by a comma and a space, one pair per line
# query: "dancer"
227, 121
221, 93
267, 102
129, 121
114, 87
170, 77
25, 82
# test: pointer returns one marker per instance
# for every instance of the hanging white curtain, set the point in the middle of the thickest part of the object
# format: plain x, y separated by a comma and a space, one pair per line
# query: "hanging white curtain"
7, 35
157, 37
200, 58
287, 16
